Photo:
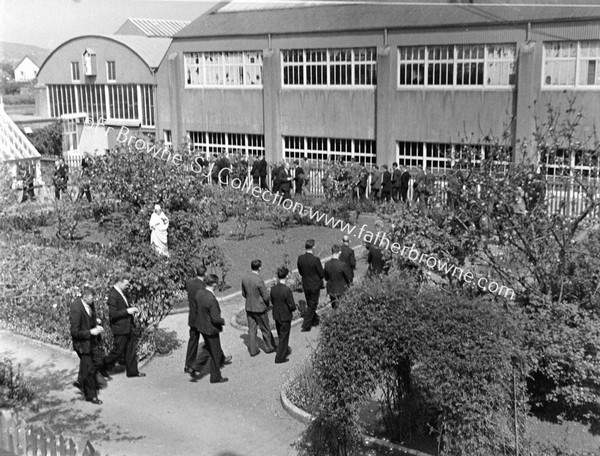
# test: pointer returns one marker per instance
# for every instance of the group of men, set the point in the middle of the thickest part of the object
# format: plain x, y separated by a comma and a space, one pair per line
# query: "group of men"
86, 332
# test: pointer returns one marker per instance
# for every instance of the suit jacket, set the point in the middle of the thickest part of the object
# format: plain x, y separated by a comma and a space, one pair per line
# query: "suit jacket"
192, 286
404, 179
256, 293
81, 323
311, 270
121, 323
299, 174
338, 275
255, 172
209, 319
348, 257
283, 303
396, 179
285, 180
386, 184
375, 260
263, 168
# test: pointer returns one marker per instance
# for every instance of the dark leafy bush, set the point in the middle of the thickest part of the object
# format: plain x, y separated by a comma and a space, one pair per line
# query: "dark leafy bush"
15, 391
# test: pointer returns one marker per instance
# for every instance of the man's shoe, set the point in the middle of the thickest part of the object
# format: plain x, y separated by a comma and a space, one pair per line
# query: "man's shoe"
105, 373
227, 361
94, 400
196, 375
305, 330
78, 385
139, 374
281, 362
255, 354
270, 351
221, 380
188, 370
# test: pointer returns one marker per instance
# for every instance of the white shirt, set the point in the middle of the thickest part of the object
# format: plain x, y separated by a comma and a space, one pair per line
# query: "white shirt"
87, 308
122, 294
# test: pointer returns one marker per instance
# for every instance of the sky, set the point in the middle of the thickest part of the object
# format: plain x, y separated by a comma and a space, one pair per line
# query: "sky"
48, 23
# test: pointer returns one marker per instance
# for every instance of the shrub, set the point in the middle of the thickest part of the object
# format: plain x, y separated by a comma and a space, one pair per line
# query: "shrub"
452, 362
14, 390
48, 140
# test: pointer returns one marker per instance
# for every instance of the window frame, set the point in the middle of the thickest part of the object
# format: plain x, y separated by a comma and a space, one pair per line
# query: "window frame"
75, 66
578, 60
453, 50
114, 71
321, 149
248, 69
328, 65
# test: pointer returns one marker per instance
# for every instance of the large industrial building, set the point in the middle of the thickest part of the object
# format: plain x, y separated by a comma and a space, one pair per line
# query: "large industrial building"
382, 82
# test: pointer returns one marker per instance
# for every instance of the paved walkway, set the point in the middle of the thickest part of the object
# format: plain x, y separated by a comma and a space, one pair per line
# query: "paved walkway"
165, 413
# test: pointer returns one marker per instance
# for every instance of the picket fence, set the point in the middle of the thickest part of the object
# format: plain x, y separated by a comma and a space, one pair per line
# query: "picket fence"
17, 438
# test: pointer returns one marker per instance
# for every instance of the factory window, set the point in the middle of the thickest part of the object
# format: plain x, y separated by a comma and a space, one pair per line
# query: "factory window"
92, 101
227, 143
490, 65
63, 99
233, 69
123, 101
75, 76
571, 64
329, 67
327, 149
111, 71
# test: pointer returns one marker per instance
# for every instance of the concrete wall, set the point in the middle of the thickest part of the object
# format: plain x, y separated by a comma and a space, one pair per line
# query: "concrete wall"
130, 68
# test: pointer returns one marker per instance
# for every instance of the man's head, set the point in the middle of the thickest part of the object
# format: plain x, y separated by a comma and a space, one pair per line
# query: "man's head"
255, 265
157, 209
346, 239
385, 167
282, 273
200, 270
122, 282
211, 280
286, 165
309, 245
395, 165
87, 294
335, 251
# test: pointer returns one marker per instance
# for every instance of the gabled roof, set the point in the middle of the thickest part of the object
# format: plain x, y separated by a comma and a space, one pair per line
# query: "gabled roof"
372, 16
153, 28
35, 60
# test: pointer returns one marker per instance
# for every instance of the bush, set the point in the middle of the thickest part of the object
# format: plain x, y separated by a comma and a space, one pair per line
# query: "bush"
14, 390
26, 217
451, 362
48, 140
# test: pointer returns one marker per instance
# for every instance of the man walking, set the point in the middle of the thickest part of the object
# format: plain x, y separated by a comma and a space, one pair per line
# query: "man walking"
210, 324
257, 304
311, 271
193, 286
285, 180
347, 255
338, 275
386, 184
85, 332
404, 181
283, 306
121, 324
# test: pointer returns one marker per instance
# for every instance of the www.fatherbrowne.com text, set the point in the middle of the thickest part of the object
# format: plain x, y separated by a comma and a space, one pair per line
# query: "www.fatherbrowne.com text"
378, 239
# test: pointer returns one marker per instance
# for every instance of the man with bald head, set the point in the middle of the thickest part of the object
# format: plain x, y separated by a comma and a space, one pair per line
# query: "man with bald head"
347, 255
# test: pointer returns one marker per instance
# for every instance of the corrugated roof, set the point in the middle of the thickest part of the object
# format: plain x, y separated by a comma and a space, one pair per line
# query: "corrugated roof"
151, 50
165, 28
372, 16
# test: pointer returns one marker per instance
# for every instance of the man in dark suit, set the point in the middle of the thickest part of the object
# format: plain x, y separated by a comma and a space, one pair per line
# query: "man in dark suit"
347, 254
386, 184
285, 180
257, 303
283, 306
210, 324
262, 172
275, 178
85, 332
338, 275
404, 181
396, 175
374, 259
298, 177
311, 271
255, 171
121, 324
192, 286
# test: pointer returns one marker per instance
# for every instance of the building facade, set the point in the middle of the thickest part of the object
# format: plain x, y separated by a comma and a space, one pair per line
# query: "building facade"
26, 70
381, 83
98, 84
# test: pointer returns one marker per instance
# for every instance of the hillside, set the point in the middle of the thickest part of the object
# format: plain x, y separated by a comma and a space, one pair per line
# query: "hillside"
13, 52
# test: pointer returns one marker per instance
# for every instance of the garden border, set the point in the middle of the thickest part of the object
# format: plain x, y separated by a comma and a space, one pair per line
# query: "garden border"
306, 418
